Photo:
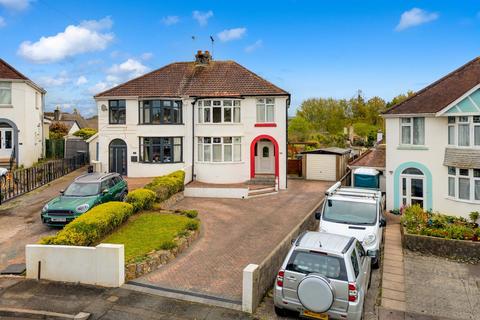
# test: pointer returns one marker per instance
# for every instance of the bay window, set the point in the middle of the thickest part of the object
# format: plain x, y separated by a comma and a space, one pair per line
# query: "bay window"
160, 112
265, 110
412, 131
464, 184
116, 111
464, 131
219, 149
161, 149
218, 111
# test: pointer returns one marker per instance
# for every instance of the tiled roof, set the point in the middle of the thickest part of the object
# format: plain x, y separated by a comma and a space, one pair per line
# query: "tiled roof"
216, 79
462, 158
329, 150
373, 158
442, 92
9, 72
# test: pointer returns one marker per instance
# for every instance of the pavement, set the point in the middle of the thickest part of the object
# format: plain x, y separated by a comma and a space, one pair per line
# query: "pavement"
20, 222
102, 303
234, 233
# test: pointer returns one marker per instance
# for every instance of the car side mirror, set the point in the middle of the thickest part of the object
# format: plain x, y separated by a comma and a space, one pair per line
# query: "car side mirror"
372, 253
318, 214
62, 192
292, 242
383, 222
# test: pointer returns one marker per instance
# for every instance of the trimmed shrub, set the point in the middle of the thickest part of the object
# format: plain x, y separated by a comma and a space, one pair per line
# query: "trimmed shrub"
168, 245
92, 226
192, 214
166, 186
192, 225
141, 199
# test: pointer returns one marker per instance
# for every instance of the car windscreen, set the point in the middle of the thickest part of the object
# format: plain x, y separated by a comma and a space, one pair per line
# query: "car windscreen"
307, 262
82, 189
350, 212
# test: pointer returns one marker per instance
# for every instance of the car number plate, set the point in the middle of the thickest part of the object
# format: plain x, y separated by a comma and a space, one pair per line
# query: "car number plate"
58, 219
310, 314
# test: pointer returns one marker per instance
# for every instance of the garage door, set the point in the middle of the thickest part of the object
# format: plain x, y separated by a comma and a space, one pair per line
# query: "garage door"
321, 167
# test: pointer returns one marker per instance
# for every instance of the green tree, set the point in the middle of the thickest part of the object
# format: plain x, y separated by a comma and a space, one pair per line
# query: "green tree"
85, 133
324, 115
58, 130
400, 98
299, 130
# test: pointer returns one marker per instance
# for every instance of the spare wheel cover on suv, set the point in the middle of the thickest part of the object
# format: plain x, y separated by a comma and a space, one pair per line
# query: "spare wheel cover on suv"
315, 293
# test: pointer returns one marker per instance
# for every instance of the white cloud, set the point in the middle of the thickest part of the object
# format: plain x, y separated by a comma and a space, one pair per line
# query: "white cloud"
254, 46
98, 87
18, 5
170, 20
81, 80
129, 69
415, 17
147, 56
83, 38
55, 81
202, 17
2, 22
231, 34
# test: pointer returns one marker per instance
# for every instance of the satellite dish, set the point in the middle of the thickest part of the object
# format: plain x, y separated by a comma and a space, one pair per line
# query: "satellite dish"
104, 107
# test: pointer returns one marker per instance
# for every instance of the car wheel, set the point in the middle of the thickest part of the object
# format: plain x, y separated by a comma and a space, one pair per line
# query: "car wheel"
280, 312
124, 197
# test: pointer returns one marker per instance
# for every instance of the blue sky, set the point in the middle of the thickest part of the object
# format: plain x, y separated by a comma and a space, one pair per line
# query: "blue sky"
310, 48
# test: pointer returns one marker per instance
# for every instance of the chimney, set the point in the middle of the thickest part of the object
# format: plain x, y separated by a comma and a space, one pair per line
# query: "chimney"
202, 58
56, 114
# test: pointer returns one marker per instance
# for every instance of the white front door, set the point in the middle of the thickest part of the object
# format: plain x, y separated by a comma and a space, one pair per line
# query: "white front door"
413, 190
265, 158
6, 142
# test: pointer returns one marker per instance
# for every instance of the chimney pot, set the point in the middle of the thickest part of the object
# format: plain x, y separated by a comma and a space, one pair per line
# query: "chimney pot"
202, 58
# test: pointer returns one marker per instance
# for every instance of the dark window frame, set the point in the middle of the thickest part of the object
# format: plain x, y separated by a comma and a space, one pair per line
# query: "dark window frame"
117, 108
148, 105
161, 144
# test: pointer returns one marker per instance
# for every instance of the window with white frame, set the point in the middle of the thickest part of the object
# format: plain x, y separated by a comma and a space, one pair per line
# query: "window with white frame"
5, 93
219, 111
464, 184
464, 131
265, 110
412, 131
219, 149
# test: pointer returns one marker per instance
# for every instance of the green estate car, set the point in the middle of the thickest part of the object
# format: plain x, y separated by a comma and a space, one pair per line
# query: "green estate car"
84, 193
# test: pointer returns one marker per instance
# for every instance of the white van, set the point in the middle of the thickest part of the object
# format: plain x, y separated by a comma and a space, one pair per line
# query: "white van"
354, 212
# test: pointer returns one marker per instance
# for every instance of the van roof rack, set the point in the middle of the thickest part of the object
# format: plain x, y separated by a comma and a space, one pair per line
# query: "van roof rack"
353, 192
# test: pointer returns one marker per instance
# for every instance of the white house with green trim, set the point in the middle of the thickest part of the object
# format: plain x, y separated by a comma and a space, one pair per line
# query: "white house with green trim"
433, 145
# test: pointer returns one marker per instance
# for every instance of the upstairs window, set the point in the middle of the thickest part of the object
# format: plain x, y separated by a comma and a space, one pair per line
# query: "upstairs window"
265, 110
464, 131
116, 111
5, 93
219, 111
161, 112
412, 131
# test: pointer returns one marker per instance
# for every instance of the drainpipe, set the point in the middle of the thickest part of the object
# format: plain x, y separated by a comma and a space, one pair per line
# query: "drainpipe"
41, 126
286, 135
193, 137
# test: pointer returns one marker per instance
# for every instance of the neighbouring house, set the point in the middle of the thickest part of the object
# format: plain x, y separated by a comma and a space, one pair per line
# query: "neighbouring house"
21, 118
327, 164
374, 159
433, 145
217, 120
73, 121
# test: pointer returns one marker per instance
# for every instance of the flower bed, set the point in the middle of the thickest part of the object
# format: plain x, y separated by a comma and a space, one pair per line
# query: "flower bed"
441, 235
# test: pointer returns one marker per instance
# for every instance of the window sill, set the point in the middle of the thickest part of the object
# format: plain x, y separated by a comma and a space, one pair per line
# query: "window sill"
219, 123
463, 201
411, 147
161, 124
220, 162
144, 162
117, 124
266, 124
6, 105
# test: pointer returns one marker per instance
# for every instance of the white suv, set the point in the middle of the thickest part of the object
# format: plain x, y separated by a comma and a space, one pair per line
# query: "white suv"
324, 276
354, 212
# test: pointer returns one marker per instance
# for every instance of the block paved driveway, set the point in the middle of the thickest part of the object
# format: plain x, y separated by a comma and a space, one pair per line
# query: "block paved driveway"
235, 233
20, 222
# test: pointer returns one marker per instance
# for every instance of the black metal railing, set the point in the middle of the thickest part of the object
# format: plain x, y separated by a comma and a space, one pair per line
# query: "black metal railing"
20, 181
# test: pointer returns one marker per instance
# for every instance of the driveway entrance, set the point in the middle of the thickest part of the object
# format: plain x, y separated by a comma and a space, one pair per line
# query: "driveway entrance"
234, 233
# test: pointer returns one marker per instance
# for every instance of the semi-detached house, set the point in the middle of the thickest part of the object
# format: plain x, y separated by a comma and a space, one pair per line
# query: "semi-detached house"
433, 145
216, 120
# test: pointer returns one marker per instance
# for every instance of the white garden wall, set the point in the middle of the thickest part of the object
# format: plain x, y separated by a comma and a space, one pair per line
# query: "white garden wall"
102, 265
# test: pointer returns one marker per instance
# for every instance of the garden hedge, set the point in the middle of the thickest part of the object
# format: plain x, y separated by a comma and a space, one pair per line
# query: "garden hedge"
166, 186
92, 226
141, 199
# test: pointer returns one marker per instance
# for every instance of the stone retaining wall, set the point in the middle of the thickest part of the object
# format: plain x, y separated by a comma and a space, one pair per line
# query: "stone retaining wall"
172, 201
461, 250
156, 259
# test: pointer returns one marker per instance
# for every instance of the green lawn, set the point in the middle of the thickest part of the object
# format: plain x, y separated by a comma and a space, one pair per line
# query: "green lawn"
147, 232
